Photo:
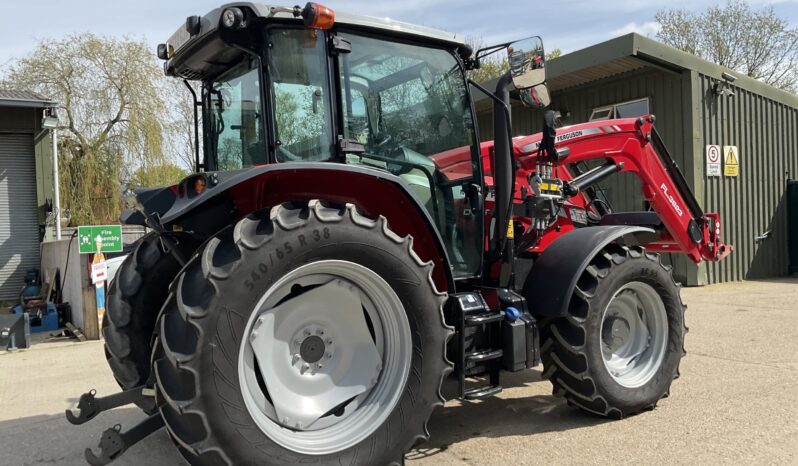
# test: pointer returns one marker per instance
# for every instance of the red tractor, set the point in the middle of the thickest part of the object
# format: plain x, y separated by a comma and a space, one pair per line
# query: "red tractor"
347, 244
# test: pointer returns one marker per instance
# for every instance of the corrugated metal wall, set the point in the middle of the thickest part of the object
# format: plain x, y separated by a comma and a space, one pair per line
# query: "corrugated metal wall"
19, 229
665, 93
755, 202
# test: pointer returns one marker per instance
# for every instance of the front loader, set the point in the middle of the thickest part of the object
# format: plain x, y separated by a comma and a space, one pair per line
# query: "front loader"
347, 243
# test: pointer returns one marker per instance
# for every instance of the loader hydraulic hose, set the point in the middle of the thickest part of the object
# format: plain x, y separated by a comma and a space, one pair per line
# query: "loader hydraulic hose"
503, 179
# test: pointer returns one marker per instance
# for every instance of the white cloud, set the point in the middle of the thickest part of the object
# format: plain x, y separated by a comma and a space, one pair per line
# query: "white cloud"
647, 28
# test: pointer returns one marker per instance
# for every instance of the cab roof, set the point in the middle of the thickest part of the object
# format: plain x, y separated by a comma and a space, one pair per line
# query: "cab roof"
184, 42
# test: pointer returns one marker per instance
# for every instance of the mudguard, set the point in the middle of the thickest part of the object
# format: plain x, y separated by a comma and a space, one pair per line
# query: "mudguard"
551, 282
231, 195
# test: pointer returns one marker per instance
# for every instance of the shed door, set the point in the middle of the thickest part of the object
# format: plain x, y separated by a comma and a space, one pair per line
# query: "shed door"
19, 230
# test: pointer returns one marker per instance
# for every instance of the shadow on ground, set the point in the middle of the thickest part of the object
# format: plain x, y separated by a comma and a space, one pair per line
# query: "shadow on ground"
501, 417
50, 439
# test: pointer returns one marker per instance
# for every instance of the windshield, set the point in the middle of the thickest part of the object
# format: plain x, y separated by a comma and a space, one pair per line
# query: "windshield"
399, 95
408, 106
233, 120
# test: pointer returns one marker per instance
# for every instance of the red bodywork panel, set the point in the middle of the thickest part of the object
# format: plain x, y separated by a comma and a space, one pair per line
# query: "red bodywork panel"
622, 141
270, 185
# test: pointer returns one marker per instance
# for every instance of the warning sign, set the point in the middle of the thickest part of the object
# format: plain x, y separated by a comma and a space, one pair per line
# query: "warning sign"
713, 160
731, 161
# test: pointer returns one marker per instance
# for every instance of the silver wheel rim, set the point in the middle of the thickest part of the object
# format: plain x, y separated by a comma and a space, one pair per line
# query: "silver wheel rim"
634, 334
325, 357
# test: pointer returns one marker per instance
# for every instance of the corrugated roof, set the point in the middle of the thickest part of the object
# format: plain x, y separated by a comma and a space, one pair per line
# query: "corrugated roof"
633, 51
15, 98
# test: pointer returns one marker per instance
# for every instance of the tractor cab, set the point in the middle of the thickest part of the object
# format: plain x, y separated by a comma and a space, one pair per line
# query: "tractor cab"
283, 85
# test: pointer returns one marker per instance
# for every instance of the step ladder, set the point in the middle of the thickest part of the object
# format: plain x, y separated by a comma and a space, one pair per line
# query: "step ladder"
472, 313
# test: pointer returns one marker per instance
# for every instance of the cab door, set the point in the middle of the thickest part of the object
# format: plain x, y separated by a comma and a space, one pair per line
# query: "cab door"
408, 106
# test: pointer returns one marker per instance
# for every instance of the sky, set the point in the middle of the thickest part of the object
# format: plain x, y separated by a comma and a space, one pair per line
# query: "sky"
567, 25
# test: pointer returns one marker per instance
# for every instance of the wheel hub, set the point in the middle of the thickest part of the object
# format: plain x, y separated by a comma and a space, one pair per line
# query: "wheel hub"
312, 349
616, 332
634, 333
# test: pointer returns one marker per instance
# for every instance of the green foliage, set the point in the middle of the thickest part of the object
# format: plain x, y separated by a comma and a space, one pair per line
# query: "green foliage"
112, 115
754, 42
286, 109
159, 175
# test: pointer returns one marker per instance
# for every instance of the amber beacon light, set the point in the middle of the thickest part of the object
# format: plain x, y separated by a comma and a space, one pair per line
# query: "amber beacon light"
318, 16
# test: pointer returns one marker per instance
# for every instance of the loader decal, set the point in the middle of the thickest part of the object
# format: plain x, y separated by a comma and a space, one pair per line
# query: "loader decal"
673, 202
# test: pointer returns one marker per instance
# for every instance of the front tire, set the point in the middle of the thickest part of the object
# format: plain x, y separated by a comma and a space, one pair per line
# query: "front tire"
618, 349
247, 337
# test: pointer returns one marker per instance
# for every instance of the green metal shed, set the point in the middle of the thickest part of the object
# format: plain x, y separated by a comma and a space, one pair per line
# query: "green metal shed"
633, 74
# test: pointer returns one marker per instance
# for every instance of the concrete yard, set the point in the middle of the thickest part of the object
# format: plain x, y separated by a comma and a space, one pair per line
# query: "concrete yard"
736, 402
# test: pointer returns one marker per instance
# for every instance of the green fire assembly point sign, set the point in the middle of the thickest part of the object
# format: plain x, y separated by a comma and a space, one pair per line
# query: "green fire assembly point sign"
110, 238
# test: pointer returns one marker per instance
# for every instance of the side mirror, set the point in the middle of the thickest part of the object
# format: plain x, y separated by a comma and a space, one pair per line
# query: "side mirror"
527, 62
535, 97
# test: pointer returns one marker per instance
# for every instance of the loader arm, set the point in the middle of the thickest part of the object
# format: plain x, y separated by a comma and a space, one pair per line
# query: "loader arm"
631, 145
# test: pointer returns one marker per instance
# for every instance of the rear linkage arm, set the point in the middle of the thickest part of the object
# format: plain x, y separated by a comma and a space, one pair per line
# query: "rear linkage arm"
90, 406
114, 442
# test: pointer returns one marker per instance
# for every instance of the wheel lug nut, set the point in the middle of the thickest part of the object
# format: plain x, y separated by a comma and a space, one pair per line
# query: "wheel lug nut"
329, 341
329, 355
306, 332
304, 368
294, 359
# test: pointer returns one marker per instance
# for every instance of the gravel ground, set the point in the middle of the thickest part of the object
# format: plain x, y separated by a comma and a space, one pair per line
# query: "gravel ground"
736, 402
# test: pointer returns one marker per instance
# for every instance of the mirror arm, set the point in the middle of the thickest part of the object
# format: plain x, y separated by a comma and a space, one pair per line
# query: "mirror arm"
485, 51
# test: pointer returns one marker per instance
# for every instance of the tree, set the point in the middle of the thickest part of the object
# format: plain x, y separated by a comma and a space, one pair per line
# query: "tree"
112, 116
754, 42
158, 175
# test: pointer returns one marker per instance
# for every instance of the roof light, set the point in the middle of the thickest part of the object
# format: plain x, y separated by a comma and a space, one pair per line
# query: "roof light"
318, 16
233, 18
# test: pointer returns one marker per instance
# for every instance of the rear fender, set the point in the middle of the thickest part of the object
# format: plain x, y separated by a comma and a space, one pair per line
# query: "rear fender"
551, 282
230, 196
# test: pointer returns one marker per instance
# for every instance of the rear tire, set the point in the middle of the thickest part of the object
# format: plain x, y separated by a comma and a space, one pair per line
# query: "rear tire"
135, 298
214, 315
577, 350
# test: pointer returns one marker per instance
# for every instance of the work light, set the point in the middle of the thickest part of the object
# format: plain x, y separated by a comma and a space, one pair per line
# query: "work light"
233, 18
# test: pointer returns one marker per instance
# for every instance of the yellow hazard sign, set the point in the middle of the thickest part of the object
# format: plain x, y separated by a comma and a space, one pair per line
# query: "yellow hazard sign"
731, 161
510, 229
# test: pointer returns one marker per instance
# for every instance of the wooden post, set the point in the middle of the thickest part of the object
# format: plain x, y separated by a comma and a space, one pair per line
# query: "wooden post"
90, 325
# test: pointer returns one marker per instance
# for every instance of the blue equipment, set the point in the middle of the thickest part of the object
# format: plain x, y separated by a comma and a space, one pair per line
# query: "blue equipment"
43, 317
